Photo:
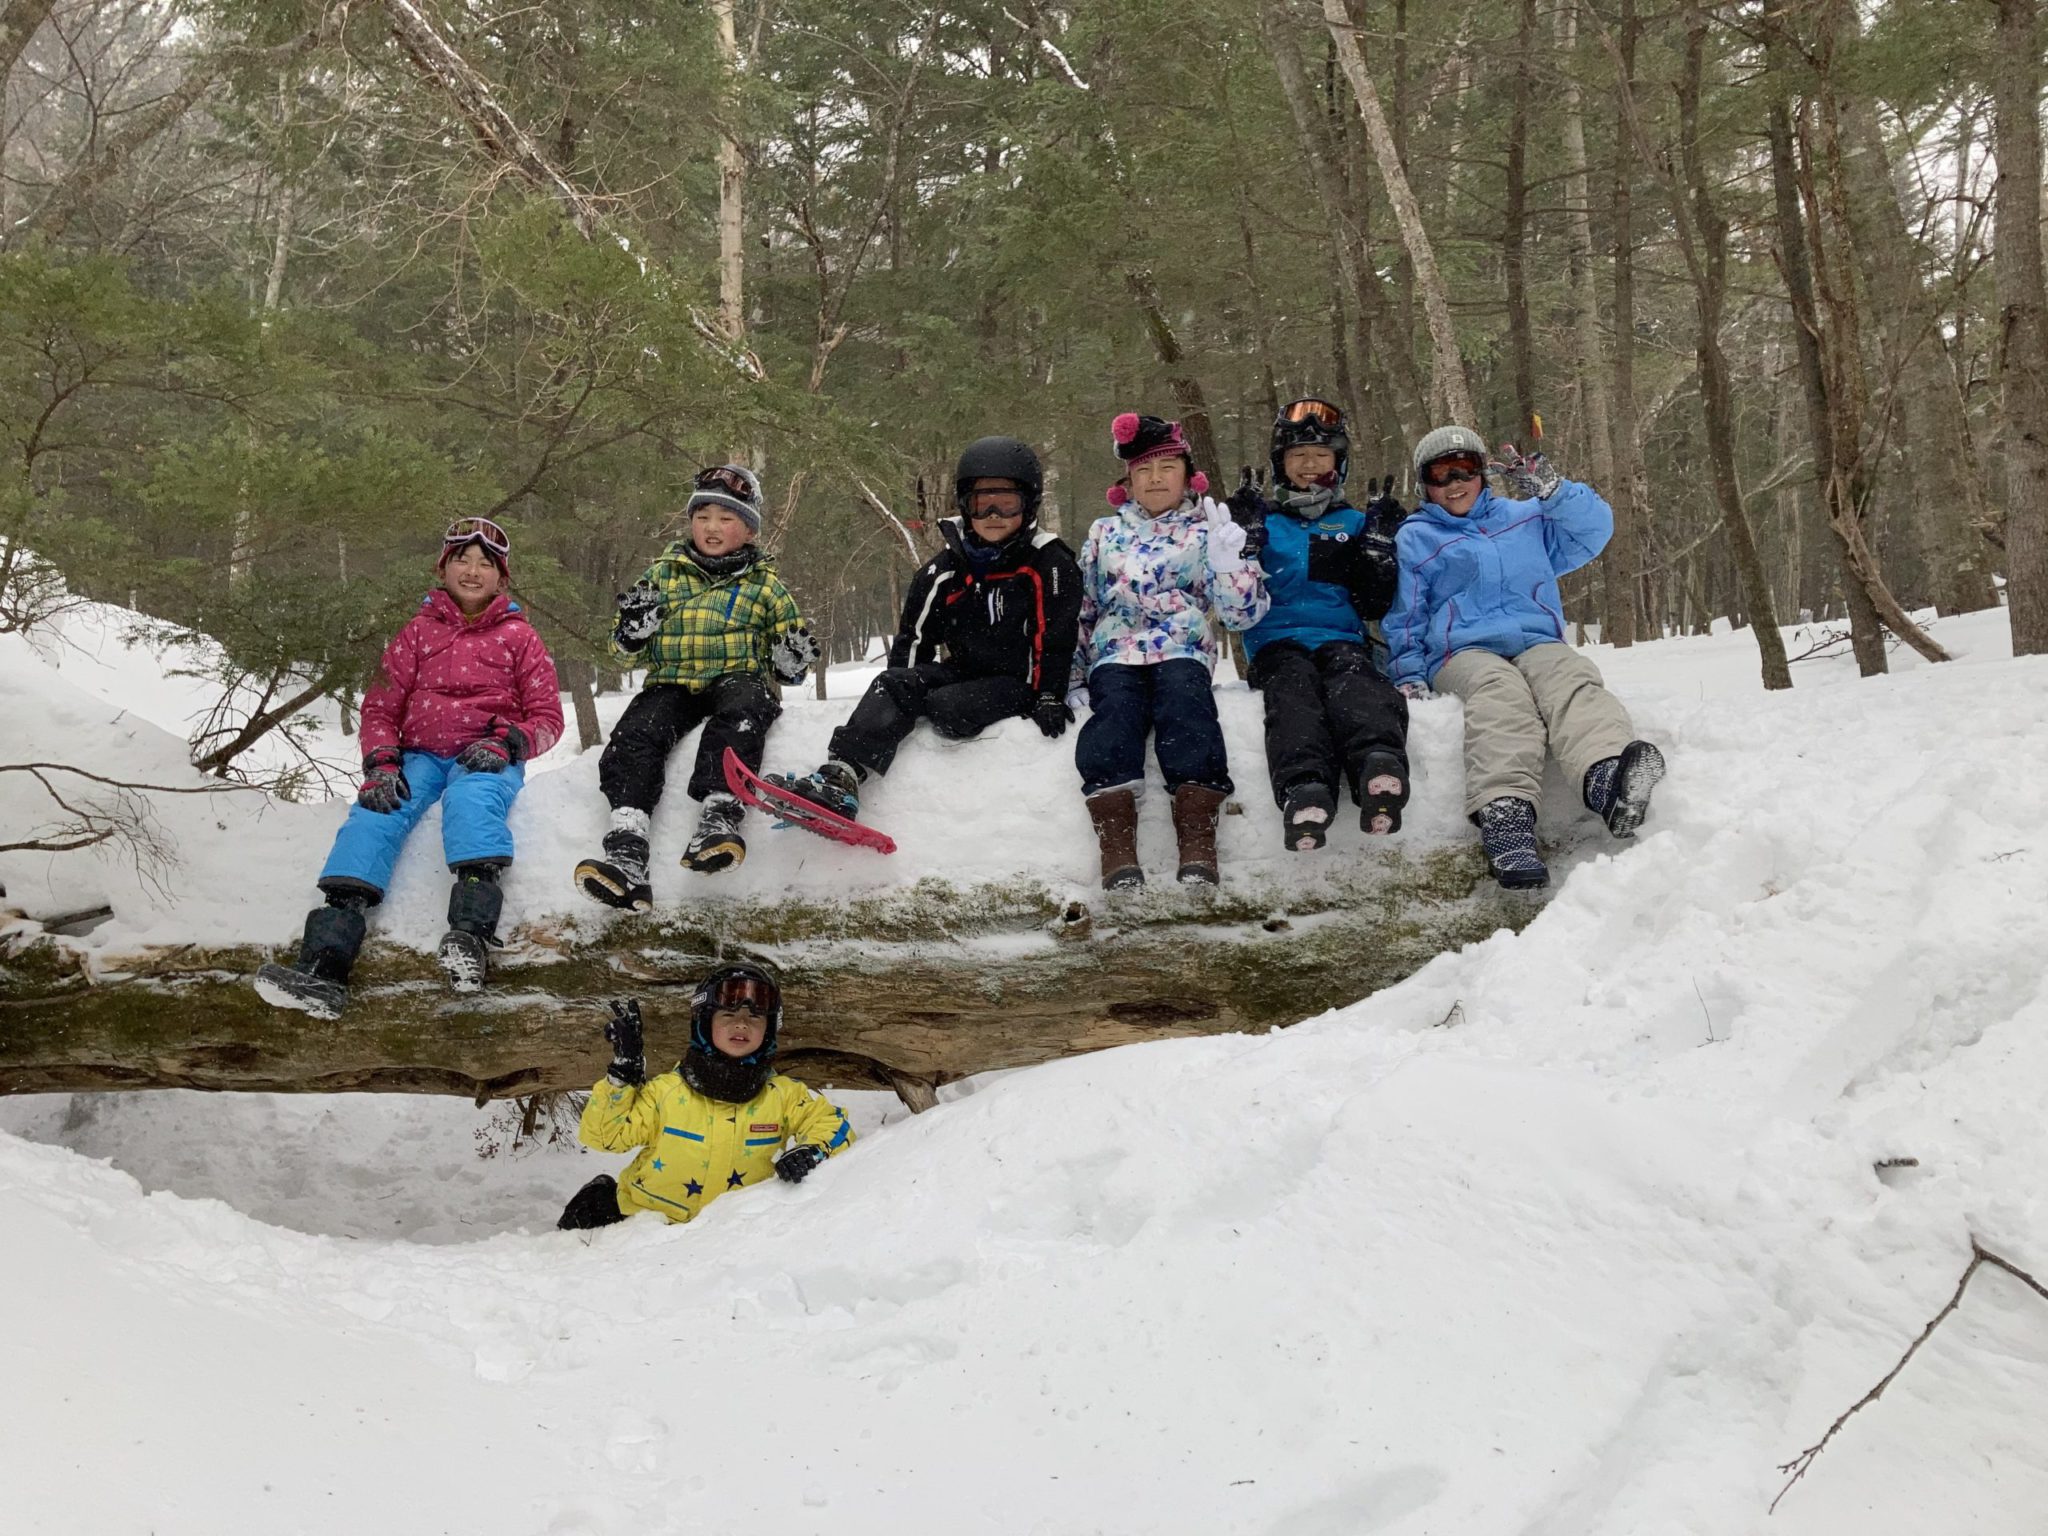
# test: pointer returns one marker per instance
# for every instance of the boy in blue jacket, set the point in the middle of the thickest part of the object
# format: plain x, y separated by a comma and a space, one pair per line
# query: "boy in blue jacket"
1477, 613
1329, 567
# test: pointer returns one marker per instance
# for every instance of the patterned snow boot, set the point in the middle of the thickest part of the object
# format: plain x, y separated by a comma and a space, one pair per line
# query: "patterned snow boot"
1507, 831
1195, 809
1617, 789
1115, 814
717, 843
1306, 814
619, 878
474, 903
835, 786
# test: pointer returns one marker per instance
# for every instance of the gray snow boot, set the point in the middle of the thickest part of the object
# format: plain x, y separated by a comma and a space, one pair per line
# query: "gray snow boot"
474, 903
1617, 789
717, 843
619, 879
1507, 831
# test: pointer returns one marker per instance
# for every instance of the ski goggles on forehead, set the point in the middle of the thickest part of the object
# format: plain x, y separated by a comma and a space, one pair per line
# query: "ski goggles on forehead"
749, 993
464, 529
722, 477
1321, 412
1449, 471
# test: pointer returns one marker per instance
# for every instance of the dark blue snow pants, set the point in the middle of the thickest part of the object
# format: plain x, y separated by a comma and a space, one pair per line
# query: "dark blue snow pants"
1172, 702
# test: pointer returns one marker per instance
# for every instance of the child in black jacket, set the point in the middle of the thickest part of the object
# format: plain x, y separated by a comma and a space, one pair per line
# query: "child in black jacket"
1002, 600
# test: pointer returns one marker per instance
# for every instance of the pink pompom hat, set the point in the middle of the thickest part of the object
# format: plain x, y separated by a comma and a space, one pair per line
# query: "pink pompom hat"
1137, 438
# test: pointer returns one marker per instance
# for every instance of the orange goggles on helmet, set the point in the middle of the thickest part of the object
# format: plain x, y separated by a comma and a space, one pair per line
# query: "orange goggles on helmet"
1321, 412
753, 994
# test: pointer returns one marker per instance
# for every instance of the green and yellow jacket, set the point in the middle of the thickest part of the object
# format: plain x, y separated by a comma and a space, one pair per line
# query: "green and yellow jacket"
694, 1148
712, 625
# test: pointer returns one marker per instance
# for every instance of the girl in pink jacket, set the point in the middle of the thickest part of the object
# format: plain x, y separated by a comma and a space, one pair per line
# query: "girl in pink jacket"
465, 695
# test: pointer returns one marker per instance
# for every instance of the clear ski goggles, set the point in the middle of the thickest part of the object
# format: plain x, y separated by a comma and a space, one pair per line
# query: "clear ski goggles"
1453, 468
729, 479
1321, 412
481, 529
743, 993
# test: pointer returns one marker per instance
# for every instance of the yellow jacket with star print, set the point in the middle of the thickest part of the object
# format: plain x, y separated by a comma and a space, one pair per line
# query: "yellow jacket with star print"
693, 1148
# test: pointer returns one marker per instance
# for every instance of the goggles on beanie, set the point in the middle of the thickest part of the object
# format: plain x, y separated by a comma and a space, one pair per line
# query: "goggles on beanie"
723, 477
476, 530
1452, 469
1321, 412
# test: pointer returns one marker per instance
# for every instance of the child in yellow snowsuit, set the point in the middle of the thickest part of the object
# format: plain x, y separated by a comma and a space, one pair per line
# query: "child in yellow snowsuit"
723, 1119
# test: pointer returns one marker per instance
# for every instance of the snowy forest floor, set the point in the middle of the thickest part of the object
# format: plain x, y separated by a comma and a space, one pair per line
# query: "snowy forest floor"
1579, 1230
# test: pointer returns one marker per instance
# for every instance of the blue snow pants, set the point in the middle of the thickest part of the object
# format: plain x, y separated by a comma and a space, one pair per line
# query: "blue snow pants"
1173, 703
473, 829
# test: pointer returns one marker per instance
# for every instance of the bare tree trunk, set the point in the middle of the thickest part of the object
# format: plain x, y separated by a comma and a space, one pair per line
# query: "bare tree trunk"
1448, 390
732, 185
1707, 262
1631, 486
2023, 320
18, 22
1514, 219
580, 675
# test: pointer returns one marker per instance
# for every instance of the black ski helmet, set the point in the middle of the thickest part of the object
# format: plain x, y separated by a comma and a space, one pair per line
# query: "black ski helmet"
721, 984
999, 458
1310, 423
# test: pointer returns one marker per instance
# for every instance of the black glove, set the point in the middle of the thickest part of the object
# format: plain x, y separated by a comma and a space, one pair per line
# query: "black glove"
1384, 513
383, 783
502, 745
629, 1047
1051, 715
1248, 509
795, 1165
790, 657
639, 616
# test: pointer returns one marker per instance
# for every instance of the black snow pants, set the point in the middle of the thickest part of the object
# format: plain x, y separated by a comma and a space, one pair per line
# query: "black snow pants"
735, 712
957, 704
1324, 712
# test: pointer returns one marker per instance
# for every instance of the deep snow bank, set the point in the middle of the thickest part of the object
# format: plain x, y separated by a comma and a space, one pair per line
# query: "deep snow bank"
1577, 1231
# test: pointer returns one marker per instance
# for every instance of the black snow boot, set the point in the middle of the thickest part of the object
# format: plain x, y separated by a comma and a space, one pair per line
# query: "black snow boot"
1379, 810
1507, 831
717, 843
1617, 789
835, 786
318, 983
474, 903
619, 878
1306, 815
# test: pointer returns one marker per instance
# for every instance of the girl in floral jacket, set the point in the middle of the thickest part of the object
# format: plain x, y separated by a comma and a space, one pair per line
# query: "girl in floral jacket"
466, 693
1153, 574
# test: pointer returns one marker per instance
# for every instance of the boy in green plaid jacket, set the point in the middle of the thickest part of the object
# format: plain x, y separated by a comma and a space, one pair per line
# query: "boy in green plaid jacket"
709, 621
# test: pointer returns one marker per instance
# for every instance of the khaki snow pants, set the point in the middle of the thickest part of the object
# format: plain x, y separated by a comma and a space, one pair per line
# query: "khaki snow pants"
1550, 695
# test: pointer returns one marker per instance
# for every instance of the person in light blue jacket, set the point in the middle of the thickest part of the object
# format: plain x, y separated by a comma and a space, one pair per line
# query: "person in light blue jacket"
1477, 613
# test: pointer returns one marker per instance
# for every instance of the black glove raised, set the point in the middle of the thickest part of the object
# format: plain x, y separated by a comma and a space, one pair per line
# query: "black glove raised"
1248, 509
790, 657
502, 745
383, 785
629, 1043
1051, 715
639, 616
795, 1165
1384, 513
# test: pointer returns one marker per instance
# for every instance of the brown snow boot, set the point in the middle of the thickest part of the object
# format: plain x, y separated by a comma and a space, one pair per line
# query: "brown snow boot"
1115, 813
1195, 809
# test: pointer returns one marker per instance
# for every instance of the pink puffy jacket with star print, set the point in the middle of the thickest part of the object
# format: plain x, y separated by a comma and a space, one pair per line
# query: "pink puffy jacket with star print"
445, 678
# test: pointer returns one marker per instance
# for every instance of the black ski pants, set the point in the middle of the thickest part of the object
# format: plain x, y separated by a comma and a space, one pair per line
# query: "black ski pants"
735, 712
958, 705
1324, 712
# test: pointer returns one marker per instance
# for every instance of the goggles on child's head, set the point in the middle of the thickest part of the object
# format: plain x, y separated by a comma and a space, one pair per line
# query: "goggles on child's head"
464, 529
755, 994
1321, 412
723, 477
1453, 468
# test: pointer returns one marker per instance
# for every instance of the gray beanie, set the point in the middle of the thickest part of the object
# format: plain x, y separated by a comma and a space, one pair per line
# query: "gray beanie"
1444, 442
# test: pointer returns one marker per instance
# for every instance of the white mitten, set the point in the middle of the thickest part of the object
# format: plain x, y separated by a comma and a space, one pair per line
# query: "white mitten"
1226, 538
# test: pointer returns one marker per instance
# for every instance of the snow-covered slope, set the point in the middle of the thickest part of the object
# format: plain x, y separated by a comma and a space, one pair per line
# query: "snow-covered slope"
1578, 1231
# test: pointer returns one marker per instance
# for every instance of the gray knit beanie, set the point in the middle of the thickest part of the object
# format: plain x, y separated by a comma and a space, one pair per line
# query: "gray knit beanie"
1444, 442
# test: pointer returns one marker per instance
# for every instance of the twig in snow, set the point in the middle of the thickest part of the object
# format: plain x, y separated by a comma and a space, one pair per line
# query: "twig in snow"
1979, 1257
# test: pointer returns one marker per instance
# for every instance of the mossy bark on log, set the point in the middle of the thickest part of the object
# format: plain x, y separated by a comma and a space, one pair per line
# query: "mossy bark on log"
904, 993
